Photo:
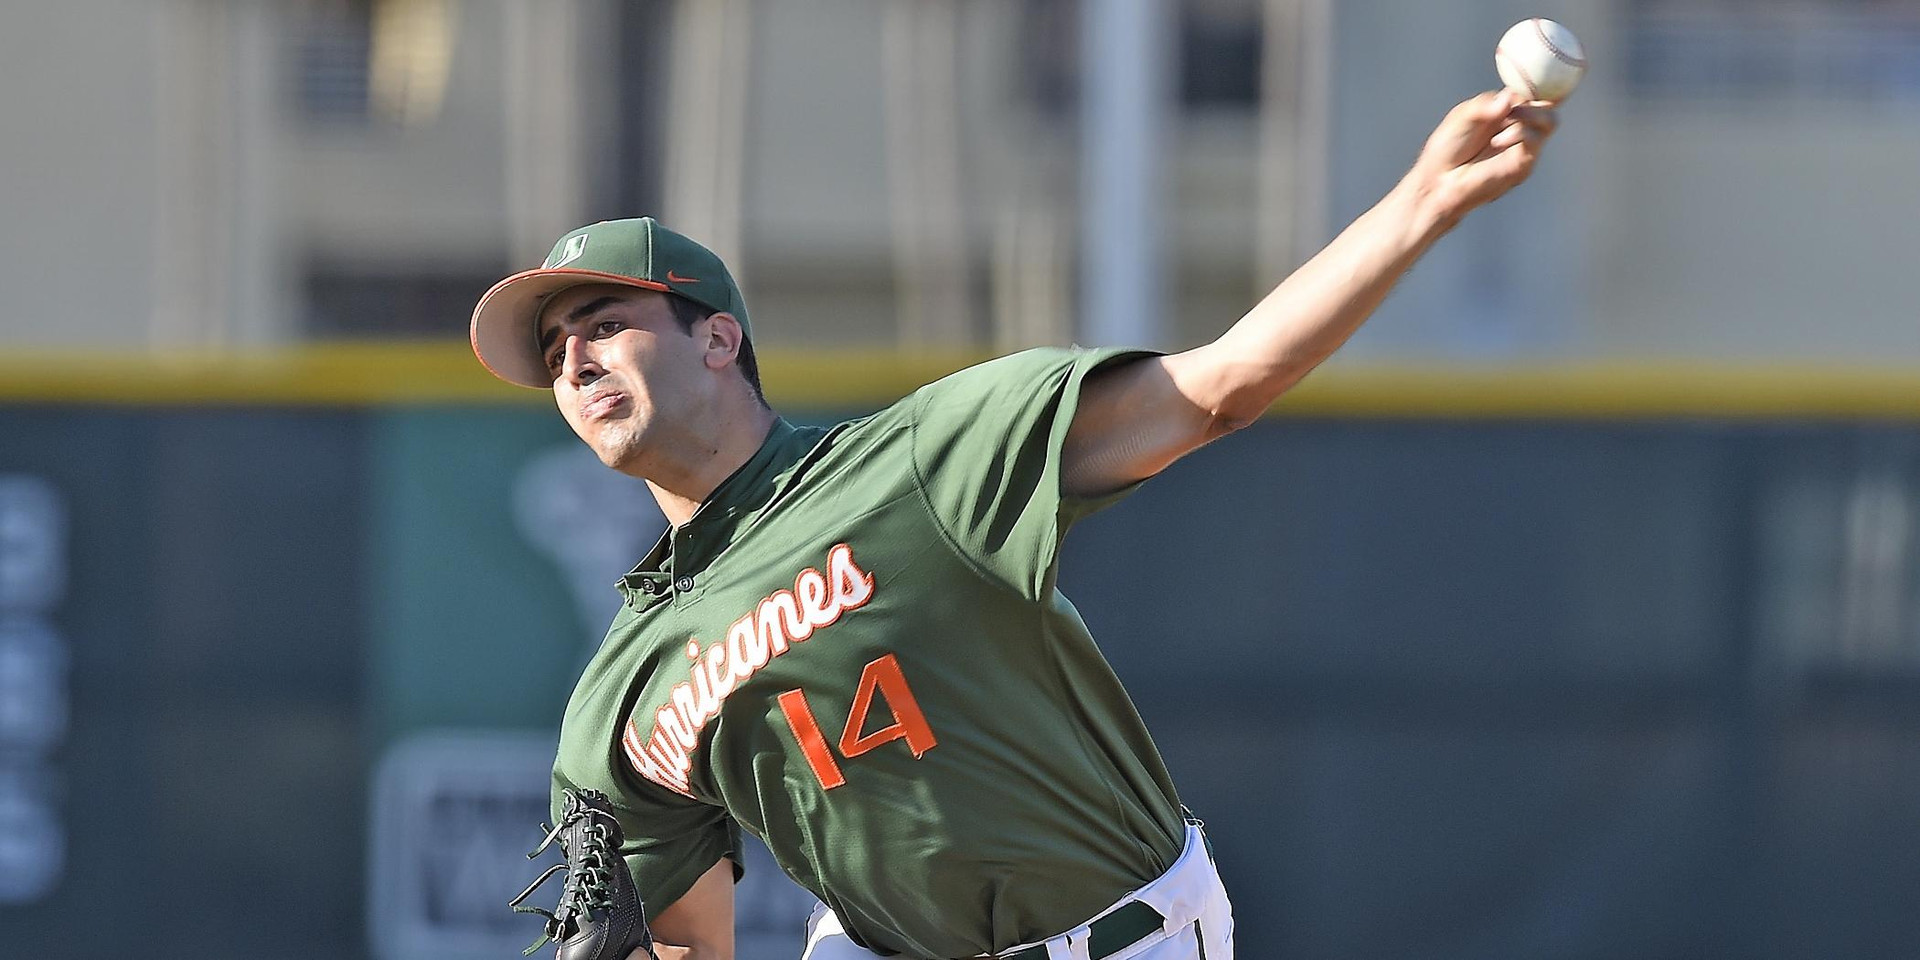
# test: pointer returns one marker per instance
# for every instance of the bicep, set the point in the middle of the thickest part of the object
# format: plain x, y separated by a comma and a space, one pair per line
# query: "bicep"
1135, 419
699, 925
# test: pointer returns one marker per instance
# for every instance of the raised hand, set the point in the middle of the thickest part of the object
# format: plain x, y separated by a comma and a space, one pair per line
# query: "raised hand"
1481, 149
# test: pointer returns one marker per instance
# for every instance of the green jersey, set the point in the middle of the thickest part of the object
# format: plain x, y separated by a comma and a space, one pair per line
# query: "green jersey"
855, 650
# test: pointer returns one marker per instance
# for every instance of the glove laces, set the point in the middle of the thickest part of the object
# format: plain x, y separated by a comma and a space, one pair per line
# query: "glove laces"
589, 879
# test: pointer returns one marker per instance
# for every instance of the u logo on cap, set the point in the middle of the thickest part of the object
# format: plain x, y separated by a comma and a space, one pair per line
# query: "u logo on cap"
571, 252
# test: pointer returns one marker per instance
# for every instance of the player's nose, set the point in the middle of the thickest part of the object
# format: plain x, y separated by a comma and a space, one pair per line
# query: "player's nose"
578, 364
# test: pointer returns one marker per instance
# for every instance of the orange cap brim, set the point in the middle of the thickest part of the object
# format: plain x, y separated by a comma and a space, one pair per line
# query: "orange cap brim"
503, 332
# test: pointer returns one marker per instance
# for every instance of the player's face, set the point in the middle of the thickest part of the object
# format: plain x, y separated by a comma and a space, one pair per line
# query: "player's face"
625, 375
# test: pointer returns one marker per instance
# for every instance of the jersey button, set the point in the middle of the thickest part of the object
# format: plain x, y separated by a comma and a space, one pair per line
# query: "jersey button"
647, 587
683, 584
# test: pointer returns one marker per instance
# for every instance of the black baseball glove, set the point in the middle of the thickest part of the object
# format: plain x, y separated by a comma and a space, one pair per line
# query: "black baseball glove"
599, 916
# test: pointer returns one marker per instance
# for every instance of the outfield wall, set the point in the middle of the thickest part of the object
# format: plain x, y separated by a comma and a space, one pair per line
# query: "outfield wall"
1563, 663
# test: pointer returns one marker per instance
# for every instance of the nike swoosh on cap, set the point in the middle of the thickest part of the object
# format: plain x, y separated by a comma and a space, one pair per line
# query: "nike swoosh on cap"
676, 278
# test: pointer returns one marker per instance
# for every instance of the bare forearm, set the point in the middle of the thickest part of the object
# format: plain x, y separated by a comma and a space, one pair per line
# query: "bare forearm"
1309, 315
699, 925
1484, 147
1137, 418
670, 952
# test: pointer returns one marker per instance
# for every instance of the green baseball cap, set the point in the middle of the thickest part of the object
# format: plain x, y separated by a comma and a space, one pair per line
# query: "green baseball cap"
637, 253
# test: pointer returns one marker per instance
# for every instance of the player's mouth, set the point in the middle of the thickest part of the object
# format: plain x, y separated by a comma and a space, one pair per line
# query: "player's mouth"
601, 406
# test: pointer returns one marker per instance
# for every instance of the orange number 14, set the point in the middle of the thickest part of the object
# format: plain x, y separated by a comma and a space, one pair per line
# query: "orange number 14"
908, 724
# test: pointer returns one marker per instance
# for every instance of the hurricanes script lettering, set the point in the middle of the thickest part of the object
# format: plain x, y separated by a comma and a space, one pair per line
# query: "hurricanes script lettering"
786, 617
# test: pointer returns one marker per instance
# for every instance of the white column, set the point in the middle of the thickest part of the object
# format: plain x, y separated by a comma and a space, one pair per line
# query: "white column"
220, 275
1295, 88
261, 309
546, 150
193, 209
927, 215
707, 124
1126, 47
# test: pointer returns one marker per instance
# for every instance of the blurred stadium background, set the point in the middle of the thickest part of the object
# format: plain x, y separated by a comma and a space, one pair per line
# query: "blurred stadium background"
1573, 611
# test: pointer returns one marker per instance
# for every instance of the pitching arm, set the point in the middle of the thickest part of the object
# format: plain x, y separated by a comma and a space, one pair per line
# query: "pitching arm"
1137, 418
699, 925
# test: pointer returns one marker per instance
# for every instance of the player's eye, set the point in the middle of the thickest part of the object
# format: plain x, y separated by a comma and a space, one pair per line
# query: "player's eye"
606, 327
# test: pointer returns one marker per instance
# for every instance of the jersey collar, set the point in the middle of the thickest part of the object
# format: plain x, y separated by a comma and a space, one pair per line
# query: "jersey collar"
677, 560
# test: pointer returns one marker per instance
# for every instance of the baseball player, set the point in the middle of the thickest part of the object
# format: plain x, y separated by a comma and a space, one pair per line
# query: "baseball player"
850, 644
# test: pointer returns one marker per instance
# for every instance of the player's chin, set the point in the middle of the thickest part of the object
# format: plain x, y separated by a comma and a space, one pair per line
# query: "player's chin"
604, 447
615, 447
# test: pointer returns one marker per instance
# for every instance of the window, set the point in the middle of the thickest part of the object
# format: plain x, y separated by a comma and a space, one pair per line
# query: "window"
1860, 51
353, 302
332, 44
358, 61
1217, 65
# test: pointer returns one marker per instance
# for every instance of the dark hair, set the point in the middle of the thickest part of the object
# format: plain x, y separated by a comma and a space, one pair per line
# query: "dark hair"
688, 312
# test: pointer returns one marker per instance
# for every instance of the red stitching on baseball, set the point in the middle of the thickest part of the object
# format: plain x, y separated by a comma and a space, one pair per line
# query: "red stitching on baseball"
1540, 29
1533, 89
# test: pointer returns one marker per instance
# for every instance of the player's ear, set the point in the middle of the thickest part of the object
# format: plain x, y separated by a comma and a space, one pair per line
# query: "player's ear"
723, 338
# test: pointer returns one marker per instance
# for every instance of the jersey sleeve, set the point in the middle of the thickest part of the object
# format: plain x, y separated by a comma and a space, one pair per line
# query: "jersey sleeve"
668, 841
986, 452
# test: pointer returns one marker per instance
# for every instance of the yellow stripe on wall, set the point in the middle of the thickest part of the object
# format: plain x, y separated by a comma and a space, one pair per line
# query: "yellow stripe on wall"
1610, 392
402, 374
333, 375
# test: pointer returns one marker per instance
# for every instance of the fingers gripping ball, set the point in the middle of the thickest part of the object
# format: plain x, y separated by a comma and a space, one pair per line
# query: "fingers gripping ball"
599, 916
1541, 59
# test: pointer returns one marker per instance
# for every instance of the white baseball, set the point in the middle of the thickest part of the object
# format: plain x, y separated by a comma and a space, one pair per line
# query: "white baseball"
1541, 59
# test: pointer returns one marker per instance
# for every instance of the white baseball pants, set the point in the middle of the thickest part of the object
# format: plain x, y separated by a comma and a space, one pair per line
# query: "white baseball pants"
1198, 924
